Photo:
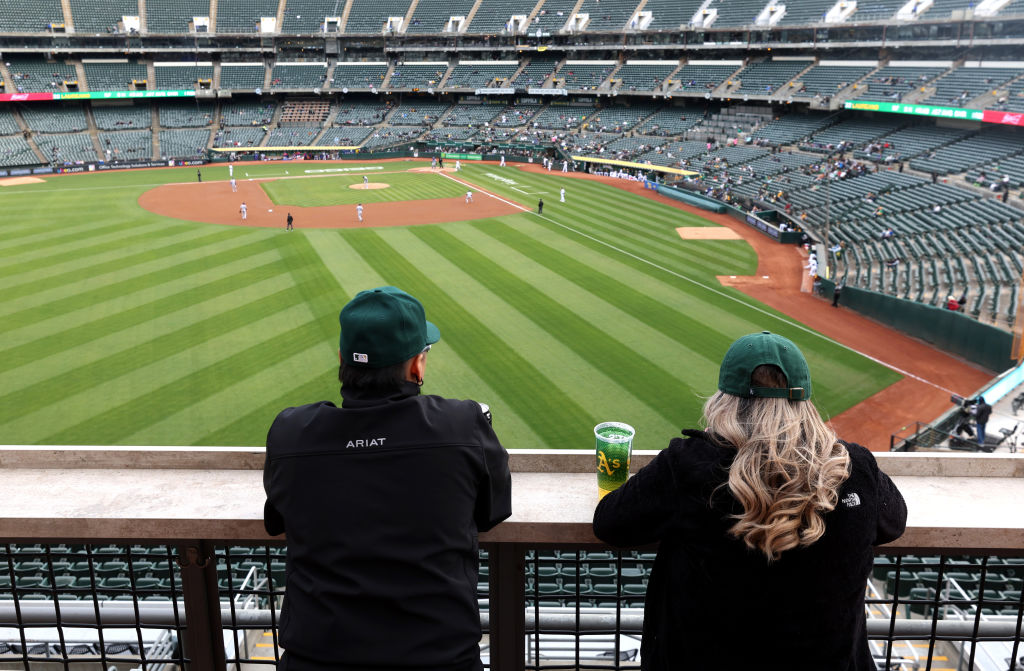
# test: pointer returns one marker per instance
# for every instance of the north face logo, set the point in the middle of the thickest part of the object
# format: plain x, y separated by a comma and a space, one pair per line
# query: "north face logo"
851, 500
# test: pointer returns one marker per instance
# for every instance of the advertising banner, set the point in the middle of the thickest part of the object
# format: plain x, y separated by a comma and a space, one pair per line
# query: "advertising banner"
93, 95
935, 111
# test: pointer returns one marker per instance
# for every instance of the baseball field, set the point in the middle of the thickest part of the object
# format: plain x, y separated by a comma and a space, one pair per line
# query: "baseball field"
138, 308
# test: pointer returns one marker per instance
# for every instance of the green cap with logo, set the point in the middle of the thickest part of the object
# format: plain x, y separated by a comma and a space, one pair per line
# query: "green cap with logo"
758, 349
382, 327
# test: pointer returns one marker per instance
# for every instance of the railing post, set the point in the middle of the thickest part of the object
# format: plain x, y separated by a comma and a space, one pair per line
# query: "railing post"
507, 607
204, 640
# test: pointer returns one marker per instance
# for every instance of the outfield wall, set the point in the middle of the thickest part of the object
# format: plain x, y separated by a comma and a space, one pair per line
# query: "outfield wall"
949, 331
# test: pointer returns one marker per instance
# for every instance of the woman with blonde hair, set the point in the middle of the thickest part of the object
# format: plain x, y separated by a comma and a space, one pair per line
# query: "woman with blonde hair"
766, 523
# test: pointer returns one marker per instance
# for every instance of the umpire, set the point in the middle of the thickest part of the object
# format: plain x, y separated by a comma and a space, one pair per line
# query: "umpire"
382, 500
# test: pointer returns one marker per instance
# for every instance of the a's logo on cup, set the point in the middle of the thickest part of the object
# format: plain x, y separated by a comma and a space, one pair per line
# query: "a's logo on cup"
605, 465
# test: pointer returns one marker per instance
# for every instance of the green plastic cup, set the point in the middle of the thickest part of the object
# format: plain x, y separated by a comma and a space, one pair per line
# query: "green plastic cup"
614, 447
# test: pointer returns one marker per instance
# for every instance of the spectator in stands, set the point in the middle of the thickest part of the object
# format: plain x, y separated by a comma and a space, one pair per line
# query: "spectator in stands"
952, 303
766, 524
382, 500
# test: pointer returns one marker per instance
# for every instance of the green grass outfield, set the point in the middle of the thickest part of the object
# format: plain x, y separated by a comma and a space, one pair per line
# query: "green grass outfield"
118, 326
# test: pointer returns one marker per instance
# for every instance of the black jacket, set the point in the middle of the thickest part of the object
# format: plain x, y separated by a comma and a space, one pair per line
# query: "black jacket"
382, 500
712, 603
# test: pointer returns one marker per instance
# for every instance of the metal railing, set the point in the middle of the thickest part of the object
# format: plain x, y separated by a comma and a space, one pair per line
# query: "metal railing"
199, 604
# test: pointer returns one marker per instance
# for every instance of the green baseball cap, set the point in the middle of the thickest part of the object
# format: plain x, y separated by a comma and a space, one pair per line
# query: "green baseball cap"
758, 349
382, 327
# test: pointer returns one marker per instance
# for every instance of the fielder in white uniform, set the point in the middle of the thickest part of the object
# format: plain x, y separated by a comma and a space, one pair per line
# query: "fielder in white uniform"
366, 180
565, 166
359, 211
562, 195
244, 210
469, 196
458, 166
502, 164
234, 185
231, 170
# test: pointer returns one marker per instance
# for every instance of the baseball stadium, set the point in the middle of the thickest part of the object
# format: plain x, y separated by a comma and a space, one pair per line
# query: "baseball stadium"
592, 199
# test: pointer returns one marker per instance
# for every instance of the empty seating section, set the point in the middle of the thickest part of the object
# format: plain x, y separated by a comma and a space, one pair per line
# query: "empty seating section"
174, 77
183, 143
54, 117
431, 16
122, 117
536, 72
471, 115
671, 14
392, 135
15, 150
243, 16
492, 16
175, 114
987, 175
35, 74
780, 162
174, 16
962, 85
853, 133
307, 16
128, 145
769, 77
739, 12
424, 113
113, 76
90, 16
805, 11
910, 142
516, 115
293, 135
730, 155
619, 119
609, 15
239, 136
563, 117
8, 124
704, 77
361, 113
298, 76
18, 16
453, 133
643, 77
942, 9
359, 75
628, 148
674, 154
1014, 99
246, 113
305, 112
552, 16
672, 121
588, 143
345, 136
894, 81
242, 77
370, 16
478, 75
583, 76
66, 147
877, 10
417, 76
827, 80
792, 127
982, 150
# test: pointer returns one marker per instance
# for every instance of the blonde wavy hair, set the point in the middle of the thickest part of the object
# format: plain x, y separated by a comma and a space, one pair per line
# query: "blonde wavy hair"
788, 468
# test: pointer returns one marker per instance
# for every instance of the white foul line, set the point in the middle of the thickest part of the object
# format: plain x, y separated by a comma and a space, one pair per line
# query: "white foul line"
713, 290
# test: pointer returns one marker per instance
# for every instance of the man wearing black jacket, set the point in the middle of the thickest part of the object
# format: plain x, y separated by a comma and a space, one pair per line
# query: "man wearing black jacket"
382, 500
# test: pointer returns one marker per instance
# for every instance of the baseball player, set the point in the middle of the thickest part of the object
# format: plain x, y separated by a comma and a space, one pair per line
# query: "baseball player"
366, 181
231, 169
433, 163
289, 226
469, 196
199, 175
234, 185
545, 161
359, 211
458, 166
244, 210
502, 164
540, 206
562, 195
565, 167
551, 162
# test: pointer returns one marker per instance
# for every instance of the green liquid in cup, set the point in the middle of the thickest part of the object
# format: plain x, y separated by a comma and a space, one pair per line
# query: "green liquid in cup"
614, 446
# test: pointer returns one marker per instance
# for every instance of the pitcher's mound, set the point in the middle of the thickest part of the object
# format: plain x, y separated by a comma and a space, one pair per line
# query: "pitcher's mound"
371, 185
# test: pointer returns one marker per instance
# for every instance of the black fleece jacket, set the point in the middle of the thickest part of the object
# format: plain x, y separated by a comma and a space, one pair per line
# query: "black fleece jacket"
713, 603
